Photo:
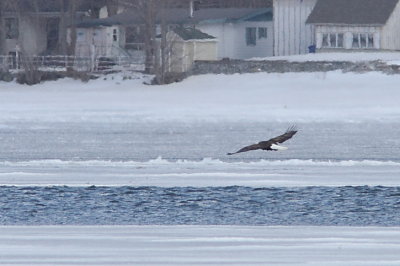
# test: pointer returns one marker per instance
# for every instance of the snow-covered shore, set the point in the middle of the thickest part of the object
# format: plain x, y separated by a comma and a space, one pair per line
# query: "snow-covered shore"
332, 96
199, 245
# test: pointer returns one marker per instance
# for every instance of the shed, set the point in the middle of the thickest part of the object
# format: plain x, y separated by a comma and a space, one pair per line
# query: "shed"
187, 45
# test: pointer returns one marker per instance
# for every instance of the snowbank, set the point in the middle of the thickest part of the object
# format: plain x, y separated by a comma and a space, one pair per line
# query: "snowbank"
331, 96
338, 56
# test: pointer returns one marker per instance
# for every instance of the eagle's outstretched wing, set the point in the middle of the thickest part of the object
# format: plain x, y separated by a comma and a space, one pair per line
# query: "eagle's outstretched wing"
284, 137
266, 145
247, 148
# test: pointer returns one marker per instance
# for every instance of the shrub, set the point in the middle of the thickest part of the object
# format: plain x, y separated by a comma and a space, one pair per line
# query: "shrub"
170, 77
6, 76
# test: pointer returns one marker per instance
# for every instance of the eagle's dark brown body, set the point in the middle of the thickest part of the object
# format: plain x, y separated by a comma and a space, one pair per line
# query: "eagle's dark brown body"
270, 145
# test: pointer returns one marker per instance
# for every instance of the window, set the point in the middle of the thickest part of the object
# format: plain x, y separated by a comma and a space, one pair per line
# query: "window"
370, 43
325, 40
115, 35
251, 36
332, 40
356, 41
80, 36
340, 40
11, 28
363, 40
262, 33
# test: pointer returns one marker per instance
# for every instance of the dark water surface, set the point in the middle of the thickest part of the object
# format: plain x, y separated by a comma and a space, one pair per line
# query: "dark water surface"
350, 206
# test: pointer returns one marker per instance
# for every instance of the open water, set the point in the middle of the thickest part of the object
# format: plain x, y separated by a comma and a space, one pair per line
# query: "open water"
354, 206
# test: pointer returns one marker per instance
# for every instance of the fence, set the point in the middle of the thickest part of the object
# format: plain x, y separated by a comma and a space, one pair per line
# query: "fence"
62, 63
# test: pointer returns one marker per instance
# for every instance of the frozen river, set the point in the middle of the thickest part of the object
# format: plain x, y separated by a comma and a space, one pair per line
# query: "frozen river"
172, 154
146, 173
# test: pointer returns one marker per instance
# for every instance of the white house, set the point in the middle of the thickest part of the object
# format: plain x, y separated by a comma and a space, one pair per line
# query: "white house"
242, 33
99, 41
356, 24
291, 33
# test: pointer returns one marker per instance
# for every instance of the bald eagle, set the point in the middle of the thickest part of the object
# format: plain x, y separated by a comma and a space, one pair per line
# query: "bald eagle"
272, 144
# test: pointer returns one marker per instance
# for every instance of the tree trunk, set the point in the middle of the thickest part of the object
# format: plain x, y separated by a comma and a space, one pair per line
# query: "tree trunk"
2, 35
112, 7
72, 33
163, 49
63, 30
150, 36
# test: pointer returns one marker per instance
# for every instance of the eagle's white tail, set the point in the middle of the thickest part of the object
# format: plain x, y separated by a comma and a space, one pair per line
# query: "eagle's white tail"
278, 147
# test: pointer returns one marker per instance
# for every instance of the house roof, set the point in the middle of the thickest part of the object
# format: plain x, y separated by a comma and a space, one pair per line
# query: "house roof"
181, 16
192, 34
352, 12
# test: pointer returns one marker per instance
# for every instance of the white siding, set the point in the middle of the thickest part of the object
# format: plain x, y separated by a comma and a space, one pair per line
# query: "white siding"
292, 35
390, 37
204, 50
231, 39
225, 35
263, 47
97, 42
84, 41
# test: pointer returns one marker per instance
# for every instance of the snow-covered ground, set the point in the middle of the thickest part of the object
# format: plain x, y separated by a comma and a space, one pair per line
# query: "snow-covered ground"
199, 245
290, 97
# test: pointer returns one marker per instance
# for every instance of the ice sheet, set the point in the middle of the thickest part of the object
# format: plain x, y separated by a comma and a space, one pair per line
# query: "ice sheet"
199, 245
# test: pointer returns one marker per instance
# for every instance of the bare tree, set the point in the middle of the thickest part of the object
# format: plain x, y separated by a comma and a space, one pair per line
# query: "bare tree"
2, 35
147, 10
72, 7
67, 37
152, 17
63, 28
112, 7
